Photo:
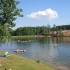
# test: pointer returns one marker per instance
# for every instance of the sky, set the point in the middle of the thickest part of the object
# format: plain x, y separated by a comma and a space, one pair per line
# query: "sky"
43, 12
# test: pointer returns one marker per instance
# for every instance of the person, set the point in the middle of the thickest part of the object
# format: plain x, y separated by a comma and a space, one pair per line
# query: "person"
6, 69
6, 54
24, 50
17, 50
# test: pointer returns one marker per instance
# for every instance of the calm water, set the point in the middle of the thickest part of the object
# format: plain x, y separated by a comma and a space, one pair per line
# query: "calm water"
52, 51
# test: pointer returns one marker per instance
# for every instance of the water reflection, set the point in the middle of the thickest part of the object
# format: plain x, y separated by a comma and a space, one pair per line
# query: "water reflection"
52, 54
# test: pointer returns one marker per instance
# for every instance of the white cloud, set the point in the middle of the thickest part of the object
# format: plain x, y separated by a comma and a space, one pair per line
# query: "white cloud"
47, 14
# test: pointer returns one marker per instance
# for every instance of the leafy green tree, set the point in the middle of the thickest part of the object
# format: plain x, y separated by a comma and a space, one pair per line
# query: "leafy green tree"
4, 33
43, 30
32, 30
18, 31
8, 14
38, 30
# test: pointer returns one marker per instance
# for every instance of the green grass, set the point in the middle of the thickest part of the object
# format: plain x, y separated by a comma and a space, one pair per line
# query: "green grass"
27, 36
16, 62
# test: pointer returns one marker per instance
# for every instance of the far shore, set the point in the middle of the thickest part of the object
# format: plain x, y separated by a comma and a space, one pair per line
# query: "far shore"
35, 36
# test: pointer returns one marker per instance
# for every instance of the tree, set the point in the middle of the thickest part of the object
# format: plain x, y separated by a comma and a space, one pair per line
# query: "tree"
18, 31
48, 27
53, 29
8, 14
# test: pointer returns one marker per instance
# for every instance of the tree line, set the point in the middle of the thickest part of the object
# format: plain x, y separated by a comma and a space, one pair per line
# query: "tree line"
30, 31
39, 30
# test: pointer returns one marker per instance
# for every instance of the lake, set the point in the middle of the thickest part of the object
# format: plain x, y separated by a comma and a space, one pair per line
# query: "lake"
52, 51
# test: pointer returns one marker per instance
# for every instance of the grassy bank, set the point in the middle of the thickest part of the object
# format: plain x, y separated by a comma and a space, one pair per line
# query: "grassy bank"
16, 62
27, 36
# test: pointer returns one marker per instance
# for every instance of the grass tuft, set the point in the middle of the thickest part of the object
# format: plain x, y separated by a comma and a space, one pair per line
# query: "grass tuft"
38, 61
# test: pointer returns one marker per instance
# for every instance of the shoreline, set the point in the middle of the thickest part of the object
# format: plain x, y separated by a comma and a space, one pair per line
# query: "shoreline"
33, 36
52, 66
14, 61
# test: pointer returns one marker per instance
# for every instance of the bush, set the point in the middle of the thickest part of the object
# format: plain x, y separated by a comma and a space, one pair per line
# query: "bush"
38, 61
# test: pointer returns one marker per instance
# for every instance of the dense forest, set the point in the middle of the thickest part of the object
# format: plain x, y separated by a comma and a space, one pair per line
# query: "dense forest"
43, 30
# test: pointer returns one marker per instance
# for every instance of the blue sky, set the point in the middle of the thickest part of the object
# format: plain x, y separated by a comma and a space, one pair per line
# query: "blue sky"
43, 12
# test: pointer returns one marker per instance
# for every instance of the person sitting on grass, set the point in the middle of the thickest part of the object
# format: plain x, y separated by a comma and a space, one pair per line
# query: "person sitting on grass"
6, 54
